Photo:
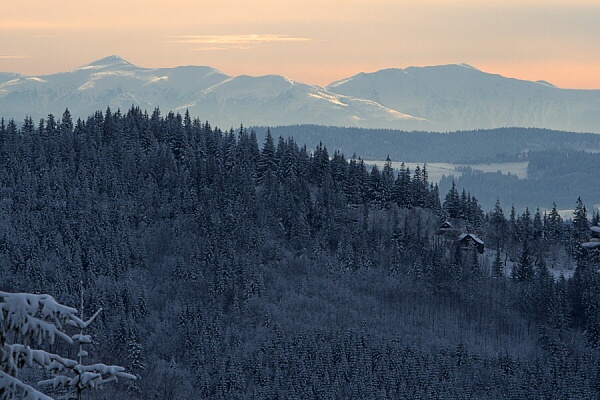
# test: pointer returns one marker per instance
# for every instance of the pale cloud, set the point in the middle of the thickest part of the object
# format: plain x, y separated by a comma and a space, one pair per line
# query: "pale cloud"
324, 40
27, 36
237, 42
12, 57
217, 48
15, 26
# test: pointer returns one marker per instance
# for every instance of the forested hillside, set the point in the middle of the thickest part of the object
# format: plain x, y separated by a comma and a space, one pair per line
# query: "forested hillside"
553, 176
461, 147
228, 269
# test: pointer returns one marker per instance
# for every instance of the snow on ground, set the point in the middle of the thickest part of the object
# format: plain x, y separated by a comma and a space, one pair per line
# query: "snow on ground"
559, 264
515, 168
568, 213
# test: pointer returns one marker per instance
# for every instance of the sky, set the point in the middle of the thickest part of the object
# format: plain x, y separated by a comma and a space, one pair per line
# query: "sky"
312, 41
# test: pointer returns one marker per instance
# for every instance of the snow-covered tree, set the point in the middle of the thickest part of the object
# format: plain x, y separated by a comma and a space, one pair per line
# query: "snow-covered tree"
594, 242
523, 269
33, 320
581, 224
497, 266
593, 245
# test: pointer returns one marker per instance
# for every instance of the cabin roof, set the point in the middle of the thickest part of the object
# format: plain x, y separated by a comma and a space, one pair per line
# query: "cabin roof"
472, 236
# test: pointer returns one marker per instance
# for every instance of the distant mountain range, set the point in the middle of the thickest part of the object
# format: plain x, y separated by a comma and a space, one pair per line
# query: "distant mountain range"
439, 98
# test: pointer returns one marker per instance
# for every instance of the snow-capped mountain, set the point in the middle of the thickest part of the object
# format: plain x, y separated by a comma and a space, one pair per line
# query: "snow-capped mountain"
460, 97
223, 100
440, 98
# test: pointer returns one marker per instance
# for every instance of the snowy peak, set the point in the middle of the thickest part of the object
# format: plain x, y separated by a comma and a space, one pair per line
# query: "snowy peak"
206, 92
447, 72
545, 83
277, 100
109, 60
436, 98
112, 62
8, 76
461, 97
468, 66
260, 86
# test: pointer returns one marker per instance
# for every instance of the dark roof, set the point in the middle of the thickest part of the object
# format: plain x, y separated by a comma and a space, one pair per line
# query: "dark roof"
472, 236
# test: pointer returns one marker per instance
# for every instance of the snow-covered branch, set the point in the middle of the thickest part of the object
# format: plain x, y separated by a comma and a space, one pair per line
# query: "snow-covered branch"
31, 318
34, 317
11, 385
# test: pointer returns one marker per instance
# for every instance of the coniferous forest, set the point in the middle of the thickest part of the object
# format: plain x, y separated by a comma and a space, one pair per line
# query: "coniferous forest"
232, 269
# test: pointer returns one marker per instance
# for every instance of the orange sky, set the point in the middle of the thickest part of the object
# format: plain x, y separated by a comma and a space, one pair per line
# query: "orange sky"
313, 41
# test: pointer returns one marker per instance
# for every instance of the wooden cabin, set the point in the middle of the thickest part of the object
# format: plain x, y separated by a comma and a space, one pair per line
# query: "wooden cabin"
466, 239
445, 228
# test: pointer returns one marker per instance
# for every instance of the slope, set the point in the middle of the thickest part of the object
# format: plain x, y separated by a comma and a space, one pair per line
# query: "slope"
459, 97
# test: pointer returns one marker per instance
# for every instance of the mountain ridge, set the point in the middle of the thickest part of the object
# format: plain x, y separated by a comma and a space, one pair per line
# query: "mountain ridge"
461, 97
434, 98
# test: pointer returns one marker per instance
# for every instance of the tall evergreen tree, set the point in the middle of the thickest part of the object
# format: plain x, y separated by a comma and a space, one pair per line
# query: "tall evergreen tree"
66, 123
497, 265
581, 225
402, 187
452, 203
553, 226
498, 226
267, 164
523, 269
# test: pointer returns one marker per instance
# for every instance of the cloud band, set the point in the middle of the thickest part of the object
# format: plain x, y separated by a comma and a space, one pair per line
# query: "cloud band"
224, 42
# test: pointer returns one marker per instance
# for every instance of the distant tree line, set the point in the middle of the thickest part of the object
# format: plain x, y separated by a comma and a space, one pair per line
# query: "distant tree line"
461, 147
552, 176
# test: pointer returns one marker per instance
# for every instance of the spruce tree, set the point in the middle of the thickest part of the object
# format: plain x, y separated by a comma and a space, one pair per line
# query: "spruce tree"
538, 226
497, 266
523, 269
553, 226
66, 123
452, 203
402, 187
498, 226
387, 177
476, 271
581, 225
267, 164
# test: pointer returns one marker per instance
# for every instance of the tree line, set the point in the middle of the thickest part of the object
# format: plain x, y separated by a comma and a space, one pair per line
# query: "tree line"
461, 147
